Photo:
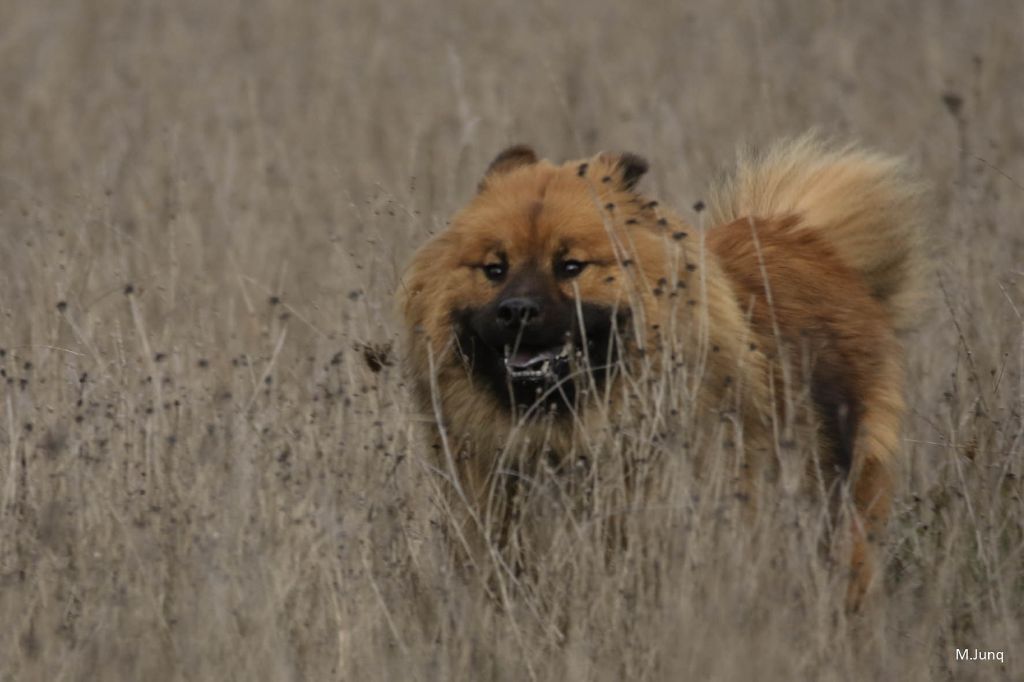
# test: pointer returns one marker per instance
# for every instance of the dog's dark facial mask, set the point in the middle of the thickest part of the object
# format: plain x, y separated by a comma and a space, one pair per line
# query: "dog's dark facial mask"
535, 348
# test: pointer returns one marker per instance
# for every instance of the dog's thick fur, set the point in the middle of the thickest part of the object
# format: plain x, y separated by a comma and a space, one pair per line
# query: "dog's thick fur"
804, 280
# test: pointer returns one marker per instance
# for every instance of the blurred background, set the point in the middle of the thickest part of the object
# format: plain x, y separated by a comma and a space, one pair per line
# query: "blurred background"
208, 456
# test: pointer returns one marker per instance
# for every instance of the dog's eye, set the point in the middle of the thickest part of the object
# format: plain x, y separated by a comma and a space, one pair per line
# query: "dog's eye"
569, 268
495, 271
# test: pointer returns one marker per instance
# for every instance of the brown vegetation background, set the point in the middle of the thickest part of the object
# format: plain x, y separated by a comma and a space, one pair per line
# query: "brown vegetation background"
209, 465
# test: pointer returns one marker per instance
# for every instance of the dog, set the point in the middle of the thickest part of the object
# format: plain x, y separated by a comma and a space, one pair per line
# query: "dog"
529, 317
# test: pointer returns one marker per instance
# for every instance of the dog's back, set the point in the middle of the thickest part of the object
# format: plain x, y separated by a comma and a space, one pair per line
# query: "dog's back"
822, 248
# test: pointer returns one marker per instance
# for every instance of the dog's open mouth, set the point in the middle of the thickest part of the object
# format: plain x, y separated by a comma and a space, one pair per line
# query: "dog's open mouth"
552, 363
549, 364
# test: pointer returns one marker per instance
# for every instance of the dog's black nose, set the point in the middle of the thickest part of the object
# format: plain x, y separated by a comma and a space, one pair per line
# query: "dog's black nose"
518, 311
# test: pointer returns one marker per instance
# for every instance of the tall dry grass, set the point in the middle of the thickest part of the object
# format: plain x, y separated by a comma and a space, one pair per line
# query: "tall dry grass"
209, 466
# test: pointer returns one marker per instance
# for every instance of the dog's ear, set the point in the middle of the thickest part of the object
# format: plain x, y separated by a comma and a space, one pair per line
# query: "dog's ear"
630, 168
513, 157
633, 167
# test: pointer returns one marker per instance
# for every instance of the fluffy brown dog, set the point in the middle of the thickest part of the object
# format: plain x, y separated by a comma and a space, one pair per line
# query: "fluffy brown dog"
532, 316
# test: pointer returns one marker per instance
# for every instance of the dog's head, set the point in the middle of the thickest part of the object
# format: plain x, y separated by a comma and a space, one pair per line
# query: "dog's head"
537, 285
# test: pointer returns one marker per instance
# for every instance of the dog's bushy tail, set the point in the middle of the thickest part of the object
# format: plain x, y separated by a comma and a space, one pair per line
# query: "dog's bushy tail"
864, 204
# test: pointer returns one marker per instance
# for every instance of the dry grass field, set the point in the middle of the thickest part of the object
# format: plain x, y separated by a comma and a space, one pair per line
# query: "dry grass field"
210, 467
